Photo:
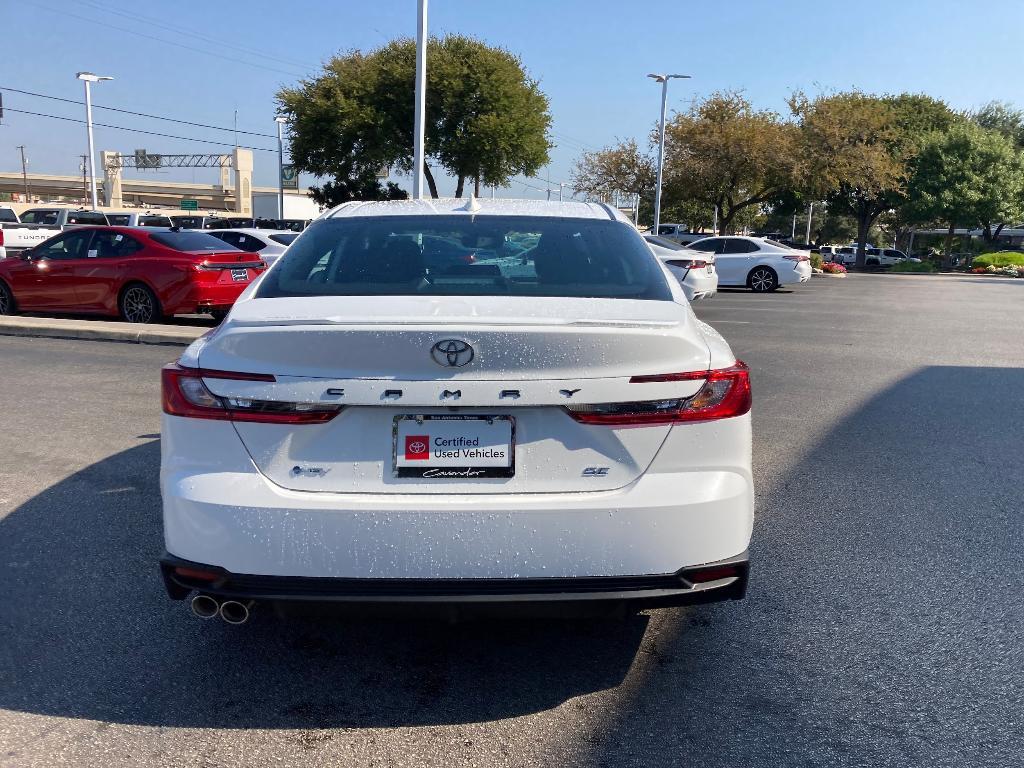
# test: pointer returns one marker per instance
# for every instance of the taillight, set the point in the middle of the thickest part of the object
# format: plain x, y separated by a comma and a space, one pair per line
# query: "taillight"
688, 263
797, 257
1, 238
184, 394
725, 393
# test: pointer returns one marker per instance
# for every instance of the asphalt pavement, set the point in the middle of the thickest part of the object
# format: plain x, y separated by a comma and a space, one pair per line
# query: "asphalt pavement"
882, 626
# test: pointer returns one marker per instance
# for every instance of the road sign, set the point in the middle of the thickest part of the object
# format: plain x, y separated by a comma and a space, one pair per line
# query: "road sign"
145, 160
289, 177
190, 205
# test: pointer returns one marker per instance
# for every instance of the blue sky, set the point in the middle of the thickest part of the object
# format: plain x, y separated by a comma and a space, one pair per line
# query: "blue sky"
183, 60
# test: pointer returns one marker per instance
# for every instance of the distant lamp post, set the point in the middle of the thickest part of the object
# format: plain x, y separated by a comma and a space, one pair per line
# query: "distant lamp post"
419, 129
663, 79
280, 120
88, 78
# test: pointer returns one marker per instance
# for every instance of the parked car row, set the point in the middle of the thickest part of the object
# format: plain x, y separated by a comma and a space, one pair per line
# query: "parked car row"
873, 256
35, 225
140, 274
143, 272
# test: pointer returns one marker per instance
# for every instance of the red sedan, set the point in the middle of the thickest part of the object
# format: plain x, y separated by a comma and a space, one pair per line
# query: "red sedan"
140, 274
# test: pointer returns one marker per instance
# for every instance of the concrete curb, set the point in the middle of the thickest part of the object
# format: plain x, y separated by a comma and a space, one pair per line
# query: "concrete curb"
99, 330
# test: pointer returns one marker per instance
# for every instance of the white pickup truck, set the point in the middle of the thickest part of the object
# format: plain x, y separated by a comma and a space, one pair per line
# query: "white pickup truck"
38, 224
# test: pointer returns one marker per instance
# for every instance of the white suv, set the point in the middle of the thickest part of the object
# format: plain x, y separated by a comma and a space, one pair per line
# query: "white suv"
540, 419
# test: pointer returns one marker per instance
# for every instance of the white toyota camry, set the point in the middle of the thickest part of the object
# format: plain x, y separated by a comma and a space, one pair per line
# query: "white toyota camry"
441, 401
759, 264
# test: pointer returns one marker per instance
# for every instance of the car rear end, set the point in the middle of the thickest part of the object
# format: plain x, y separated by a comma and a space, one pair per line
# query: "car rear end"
795, 266
549, 427
215, 273
695, 271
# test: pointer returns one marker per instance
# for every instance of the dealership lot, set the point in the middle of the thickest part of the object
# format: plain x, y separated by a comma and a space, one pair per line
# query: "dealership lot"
881, 625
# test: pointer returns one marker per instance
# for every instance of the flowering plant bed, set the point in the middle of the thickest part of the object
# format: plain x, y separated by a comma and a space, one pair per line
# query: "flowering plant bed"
833, 269
1009, 270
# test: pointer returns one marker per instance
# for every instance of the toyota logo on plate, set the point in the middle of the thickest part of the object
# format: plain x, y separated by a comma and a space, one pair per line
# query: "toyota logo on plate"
417, 447
452, 353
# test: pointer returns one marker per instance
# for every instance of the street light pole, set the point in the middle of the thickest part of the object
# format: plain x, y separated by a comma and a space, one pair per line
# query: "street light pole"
419, 127
663, 79
24, 173
89, 78
280, 167
810, 215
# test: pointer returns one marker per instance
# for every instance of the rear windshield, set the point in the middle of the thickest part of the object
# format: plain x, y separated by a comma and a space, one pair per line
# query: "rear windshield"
155, 221
468, 256
86, 217
663, 242
118, 219
192, 241
48, 218
188, 222
284, 239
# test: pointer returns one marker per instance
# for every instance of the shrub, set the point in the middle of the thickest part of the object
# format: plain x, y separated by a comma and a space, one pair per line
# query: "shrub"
1000, 259
815, 260
833, 269
911, 266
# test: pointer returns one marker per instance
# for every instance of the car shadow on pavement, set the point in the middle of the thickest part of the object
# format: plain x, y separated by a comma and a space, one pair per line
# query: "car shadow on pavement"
882, 623
86, 631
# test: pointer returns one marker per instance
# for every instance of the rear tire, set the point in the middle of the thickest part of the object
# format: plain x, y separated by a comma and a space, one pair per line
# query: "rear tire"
762, 280
138, 304
7, 304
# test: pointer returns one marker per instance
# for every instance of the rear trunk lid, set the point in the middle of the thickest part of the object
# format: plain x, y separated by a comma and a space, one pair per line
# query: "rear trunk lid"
387, 362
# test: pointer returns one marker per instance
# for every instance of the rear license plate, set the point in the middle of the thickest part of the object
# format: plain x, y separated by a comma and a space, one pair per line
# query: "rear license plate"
710, 269
454, 447
239, 275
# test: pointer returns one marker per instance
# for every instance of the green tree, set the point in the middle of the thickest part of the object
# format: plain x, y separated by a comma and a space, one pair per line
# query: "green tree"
847, 141
722, 152
859, 149
966, 175
1004, 119
486, 120
365, 186
621, 168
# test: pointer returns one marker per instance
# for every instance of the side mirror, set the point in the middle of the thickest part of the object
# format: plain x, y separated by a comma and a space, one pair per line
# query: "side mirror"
28, 254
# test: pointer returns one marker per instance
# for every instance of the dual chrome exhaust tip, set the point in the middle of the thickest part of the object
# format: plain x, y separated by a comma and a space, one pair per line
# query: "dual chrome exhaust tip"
231, 611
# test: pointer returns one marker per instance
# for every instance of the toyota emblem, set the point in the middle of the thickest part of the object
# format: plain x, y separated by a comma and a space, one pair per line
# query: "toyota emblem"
452, 353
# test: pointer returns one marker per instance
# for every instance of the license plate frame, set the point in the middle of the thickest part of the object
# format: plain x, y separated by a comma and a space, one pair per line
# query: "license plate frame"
452, 472
239, 275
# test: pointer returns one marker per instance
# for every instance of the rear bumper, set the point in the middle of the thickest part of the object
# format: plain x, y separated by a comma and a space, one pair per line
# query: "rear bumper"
711, 582
202, 297
701, 285
219, 511
799, 274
